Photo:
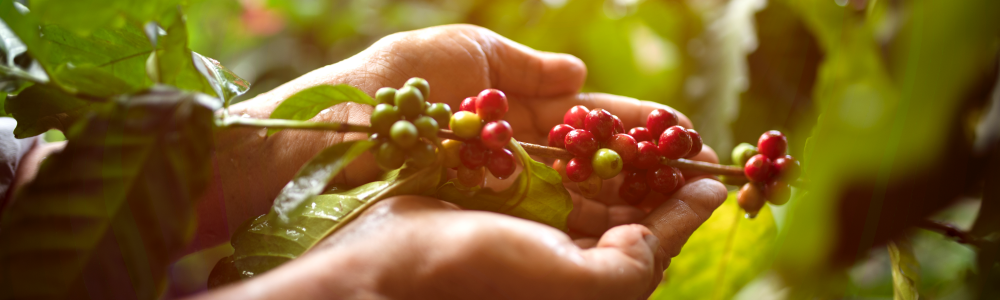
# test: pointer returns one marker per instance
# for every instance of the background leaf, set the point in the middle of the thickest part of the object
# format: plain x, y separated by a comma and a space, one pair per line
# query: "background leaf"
106, 215
905, 270
226, 83
41, 107
313, 177
307, 103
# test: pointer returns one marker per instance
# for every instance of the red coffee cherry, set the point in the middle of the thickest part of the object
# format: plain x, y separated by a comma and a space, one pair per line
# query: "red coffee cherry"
635, 187
787, 168
581, 143
579, 169
661, 119
560, 166
496, 134
647, 156
473, 155
641, 134
491, 105
696, 143
619, 126
777, 192
471, 177
501, 163
557, 136
664, 179
675, 142
751, 199
772, 144
468, 104
600, 123
625, 146
758, 168
575, 116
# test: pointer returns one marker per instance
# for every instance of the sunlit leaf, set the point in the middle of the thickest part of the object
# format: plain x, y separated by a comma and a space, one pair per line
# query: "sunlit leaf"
905, 270
99, 13
307, 103
122, 191
313, 177
17, 68
41, 107
227, 84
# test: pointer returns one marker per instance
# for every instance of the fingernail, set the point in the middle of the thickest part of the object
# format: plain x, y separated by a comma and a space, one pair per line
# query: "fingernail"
653, 242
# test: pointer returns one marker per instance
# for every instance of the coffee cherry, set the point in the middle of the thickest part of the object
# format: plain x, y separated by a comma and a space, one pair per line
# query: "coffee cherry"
607, 163
661, 119
758, 168
777, 192
675, 142
422, 155
664, 179
421, 84
501, 163
786, 168
451, 150
560, 166
751, 199
496, 134
382, 118
635, 187
619, 126
473, 155
575, 116
579, 169
591, 187
471, 177
386, 95
390, 156
410, 102
696, 143
466, 124
625, 146
469, 105
581, 143
491, 105
440, 112
600, 123
641, 134
647, 155
427, 127
772, 144
557, 136
742, 153
404, 134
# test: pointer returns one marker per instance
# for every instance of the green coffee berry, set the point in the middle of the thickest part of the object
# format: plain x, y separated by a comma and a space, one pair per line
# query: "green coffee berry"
742, 153
404, 134
440, 112
607, 163
389, 156
427, 127
382, 118
386, 95
421, 84
410, 102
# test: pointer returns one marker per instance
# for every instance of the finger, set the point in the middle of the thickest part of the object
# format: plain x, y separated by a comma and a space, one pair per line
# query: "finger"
623, 262
631, 111
519, 70
677, 218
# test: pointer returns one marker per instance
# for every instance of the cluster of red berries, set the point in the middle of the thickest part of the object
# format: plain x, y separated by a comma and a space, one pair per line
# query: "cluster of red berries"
602, 150
769, 170
480, 123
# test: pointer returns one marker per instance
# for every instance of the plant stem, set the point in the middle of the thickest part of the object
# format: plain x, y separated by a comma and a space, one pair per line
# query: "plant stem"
291, 124
949, 230
682, 163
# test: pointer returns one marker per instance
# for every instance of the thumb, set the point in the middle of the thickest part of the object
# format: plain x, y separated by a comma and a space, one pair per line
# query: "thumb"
623, 262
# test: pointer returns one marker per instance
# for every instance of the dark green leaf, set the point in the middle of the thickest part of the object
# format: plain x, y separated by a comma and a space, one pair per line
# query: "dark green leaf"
99, 13
16, 67
905, 270
41, 107
537, 194
313, 177
267, 242
122, 191
175, 62
307, 103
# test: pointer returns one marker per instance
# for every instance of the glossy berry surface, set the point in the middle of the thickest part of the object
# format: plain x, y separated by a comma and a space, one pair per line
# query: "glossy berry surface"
386, 95
591, 187
581, 143
772, 144
641, 134
422, 154
427, 127
777, 192
664, 179
473, 155
758, 168
421, 84
675, 142
389, 156
471, 177
647, 155
495, 135
619, 126
661, 119
600, 123
696, 143
575, 116
625, 146
409, 101
742, 153
491, 105
634, 188
404, 134
557, 136
579, 169
440, 112
450, 150
607, 163
468, 104
787, 168
501, 163
751, 199
382, 118
466, 124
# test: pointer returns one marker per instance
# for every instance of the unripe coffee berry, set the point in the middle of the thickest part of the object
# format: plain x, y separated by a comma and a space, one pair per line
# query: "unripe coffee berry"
440, 112
647, 155
468, 104
560, 166
600, 123
777, 192
382, 118
389, 156
578, 169
786, 168
471, 177
591, 187
607, 163
491, 105
501, 163
751, 199
675, 142
641, 134
575, 116
634, 188
451, 150
495, 135
696, 143
422, 154
427, 127
557, 136
466, 124
421, 84
758, 168
410, 102
581, 143
473, 155
742, 153
772, 144
386, 95
625, 146
664, 179
404, 134
661, 119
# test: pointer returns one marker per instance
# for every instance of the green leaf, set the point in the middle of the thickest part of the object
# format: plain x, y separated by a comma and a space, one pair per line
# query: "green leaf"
98, 13
537, 194
225, 83
17, 68
267, 242
175, 62
313, 177
307, 103
905, 270
722, 256
41, 107
123, 190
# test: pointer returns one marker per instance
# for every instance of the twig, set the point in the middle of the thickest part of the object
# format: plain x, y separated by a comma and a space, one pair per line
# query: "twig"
949, 230
290, 124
